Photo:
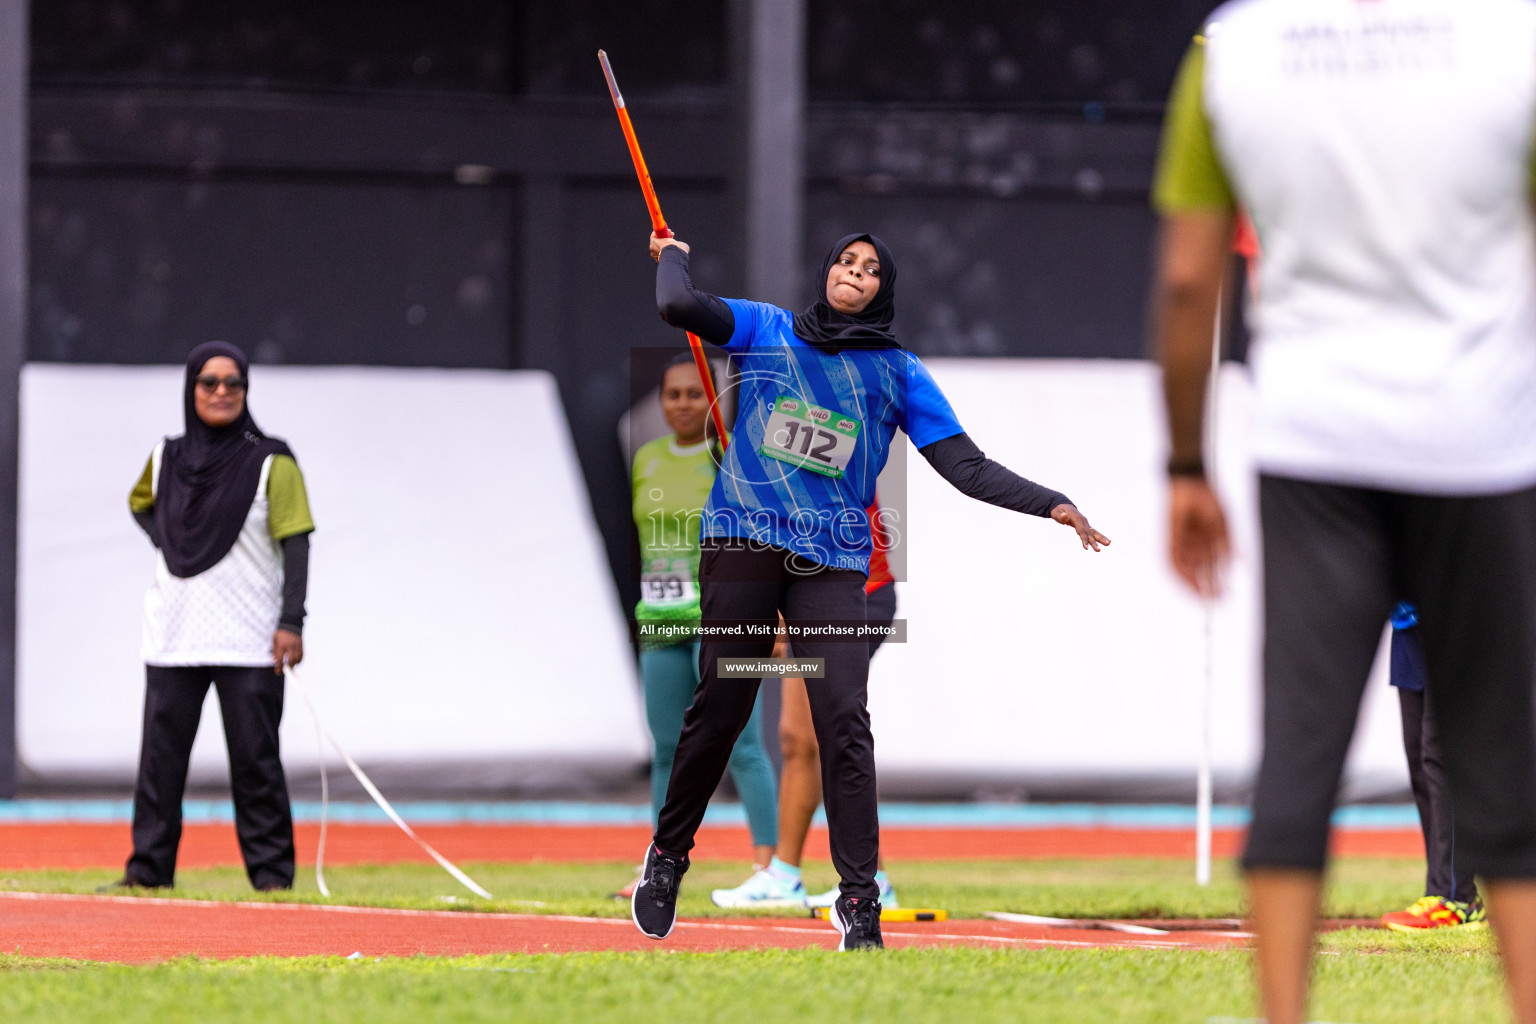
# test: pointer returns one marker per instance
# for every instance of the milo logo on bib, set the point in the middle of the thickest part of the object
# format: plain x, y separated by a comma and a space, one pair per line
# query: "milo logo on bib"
810, 437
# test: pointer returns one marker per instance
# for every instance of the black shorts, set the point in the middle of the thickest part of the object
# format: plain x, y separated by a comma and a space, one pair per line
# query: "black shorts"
1337, 559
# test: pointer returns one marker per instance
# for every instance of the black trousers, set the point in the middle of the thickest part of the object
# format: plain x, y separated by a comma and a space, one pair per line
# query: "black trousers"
1337, 559
751, 585
1443, 875
881, 609
251, 703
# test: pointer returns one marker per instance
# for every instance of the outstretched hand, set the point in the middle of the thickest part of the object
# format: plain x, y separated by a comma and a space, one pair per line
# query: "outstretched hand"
658, 243
1068, 515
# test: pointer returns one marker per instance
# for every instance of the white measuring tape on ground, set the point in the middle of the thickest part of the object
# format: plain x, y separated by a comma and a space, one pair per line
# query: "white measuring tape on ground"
1073, 922
322, 737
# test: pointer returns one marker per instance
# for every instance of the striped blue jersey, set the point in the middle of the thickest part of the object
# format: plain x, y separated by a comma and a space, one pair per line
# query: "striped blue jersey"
813, 430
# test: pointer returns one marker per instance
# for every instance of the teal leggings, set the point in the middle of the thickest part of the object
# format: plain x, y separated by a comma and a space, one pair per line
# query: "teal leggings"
671, 675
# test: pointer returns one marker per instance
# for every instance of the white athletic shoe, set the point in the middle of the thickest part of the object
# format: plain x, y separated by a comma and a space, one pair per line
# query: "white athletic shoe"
763, 889
887, 895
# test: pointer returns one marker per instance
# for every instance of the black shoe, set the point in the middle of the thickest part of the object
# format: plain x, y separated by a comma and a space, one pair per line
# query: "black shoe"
858, 920
653, 907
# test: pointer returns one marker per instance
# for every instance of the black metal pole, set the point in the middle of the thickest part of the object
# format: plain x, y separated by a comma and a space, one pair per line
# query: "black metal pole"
771, 84
13, 319
768, 58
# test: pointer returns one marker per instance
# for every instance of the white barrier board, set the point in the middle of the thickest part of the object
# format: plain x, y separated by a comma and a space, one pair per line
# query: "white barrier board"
460, 603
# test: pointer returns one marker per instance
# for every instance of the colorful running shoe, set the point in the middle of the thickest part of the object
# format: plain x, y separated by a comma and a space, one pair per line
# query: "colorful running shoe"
887, 894
628, 892
1437, 912
763, 889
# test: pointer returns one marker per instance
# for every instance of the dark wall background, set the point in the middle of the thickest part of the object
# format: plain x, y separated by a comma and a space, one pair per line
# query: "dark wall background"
293, 271
409, 184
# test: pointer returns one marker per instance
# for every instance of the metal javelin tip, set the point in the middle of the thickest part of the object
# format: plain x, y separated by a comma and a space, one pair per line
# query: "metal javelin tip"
613, 84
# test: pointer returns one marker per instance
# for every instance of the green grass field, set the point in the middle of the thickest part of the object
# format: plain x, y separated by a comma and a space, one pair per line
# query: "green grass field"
1363, 976
917, 986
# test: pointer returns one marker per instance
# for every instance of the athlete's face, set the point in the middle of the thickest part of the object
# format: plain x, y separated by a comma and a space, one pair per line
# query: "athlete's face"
221, 404
683, 403
854, 279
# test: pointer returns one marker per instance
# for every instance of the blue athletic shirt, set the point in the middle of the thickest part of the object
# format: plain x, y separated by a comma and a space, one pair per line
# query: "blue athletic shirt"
814, 514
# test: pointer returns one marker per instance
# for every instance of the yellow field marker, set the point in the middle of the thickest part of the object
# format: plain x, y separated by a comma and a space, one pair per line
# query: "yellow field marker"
901, 914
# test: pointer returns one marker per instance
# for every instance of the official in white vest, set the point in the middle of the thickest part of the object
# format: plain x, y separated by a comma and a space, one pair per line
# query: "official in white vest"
1384, 153
226, 509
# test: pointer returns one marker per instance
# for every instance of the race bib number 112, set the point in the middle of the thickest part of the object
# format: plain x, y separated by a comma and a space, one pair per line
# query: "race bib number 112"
808, 436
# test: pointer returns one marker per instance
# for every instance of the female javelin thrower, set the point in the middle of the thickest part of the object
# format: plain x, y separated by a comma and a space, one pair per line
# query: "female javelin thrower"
822, 395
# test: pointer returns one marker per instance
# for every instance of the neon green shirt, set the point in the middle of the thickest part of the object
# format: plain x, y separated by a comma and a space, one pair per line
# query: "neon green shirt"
670, 485
1189, 173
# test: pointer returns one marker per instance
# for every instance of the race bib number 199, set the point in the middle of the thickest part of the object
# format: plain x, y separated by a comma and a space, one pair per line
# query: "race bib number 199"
669, 585
808, 436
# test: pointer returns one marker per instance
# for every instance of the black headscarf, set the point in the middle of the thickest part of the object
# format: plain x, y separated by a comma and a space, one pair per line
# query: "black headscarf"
826, 328
208, 476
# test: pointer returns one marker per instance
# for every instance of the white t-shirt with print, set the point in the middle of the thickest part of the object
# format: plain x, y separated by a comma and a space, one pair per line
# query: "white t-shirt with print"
1383, 150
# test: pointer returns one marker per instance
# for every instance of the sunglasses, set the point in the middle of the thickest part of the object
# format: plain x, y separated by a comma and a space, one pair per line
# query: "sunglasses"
209, 383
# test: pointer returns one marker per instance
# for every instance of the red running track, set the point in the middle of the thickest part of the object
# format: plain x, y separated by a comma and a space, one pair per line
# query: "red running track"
127, 929
147, 930
31, 847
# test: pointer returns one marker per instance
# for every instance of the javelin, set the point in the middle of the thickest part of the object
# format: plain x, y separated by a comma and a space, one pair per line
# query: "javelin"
659, 226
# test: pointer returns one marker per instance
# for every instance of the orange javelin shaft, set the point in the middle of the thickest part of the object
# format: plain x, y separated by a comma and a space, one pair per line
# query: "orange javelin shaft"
658, 222
659, 226
708, 380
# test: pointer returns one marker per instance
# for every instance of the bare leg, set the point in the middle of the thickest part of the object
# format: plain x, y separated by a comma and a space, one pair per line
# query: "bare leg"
1284, 904
1512, 911
800, 782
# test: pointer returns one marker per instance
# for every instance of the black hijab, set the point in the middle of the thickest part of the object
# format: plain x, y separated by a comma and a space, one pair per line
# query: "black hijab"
208, 476
826, 328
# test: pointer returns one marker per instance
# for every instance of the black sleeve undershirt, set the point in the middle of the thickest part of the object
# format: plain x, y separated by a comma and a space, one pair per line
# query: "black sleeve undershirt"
681, 305
295, 582
146, 521
967, 468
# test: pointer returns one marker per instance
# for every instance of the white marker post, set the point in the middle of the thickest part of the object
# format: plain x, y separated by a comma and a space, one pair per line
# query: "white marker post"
1208, 684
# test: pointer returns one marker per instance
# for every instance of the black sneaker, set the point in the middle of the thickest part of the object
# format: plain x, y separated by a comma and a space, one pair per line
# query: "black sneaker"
653, 907
857, 919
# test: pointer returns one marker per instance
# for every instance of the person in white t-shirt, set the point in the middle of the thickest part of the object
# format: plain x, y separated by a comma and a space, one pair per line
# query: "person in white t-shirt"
226, 508
1384, 153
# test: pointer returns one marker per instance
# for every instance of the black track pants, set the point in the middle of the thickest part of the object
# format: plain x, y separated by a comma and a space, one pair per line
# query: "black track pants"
1445, 874
1336, 561
752, 586
251, 703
